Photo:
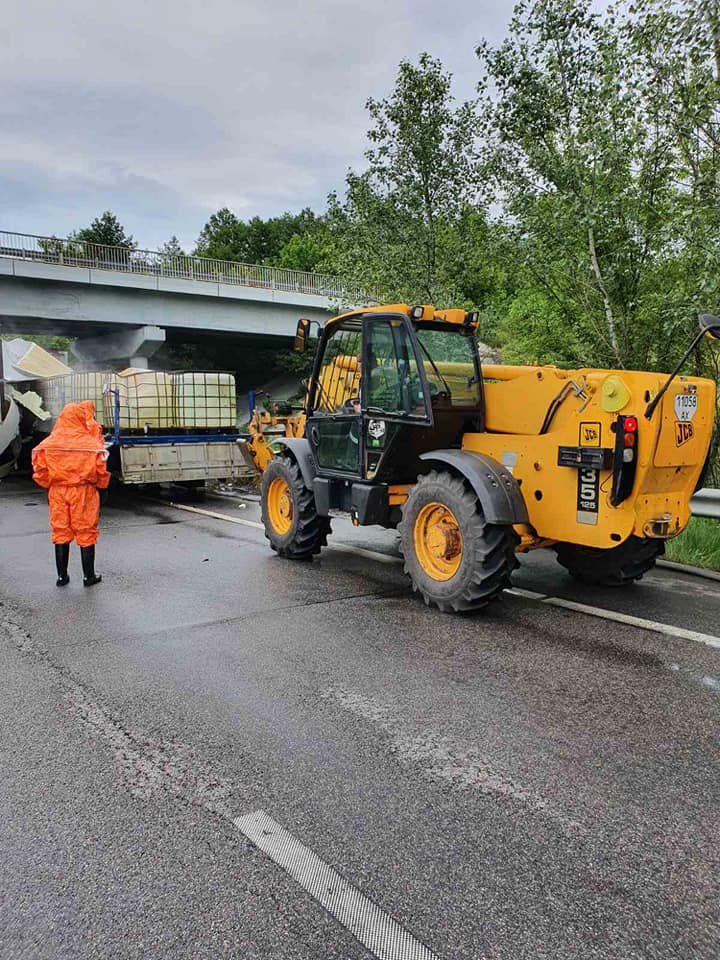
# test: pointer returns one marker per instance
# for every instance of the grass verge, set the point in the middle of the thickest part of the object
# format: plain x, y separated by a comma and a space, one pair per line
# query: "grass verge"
698, 544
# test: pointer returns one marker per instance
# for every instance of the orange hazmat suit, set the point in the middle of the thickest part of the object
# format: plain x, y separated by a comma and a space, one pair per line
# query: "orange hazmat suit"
70, 465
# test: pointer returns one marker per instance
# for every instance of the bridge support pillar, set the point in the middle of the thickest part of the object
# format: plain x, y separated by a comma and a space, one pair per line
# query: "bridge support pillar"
129, 347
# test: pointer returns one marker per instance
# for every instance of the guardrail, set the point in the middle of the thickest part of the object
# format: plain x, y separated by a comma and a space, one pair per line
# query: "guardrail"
706, 503
97, 256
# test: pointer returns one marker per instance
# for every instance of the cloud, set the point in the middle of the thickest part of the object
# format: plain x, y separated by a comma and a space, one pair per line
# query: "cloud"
164, 112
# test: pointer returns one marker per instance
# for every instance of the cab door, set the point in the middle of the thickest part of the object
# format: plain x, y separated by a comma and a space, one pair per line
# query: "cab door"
395, 392
334, 425
367, 387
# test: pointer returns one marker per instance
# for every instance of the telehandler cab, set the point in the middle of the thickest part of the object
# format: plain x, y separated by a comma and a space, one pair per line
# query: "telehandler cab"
403, 427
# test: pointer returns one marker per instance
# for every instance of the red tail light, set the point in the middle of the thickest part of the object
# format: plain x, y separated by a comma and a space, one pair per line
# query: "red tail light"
624, 464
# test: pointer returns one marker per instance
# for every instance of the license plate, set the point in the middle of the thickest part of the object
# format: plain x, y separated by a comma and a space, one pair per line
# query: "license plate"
685, 406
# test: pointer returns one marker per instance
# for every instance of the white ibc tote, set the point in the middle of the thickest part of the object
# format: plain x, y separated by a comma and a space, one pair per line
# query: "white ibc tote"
145, 399
205, 400
89, 386
55, 393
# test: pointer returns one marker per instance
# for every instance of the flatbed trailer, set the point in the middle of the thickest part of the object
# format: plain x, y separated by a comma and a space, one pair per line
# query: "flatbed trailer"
190, 459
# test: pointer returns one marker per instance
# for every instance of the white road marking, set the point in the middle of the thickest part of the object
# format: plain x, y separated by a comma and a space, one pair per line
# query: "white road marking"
375, 929
654, 626
527, 594
341, 547
668, 629
362, 552
213, 514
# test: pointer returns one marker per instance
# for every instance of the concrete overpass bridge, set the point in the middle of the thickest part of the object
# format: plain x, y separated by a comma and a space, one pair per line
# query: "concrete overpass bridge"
121, 304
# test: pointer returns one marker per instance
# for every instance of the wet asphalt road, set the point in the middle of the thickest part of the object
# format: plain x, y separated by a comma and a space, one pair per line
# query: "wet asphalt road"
528, 783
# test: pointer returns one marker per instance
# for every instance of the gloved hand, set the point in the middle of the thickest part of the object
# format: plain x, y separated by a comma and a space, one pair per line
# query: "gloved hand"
104, 494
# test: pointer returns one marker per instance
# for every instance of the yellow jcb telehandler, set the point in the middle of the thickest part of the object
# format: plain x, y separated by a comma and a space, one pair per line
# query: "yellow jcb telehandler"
403, 427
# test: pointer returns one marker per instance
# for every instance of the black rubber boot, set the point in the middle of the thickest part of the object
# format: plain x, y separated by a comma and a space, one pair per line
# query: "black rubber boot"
87, 555
62, 556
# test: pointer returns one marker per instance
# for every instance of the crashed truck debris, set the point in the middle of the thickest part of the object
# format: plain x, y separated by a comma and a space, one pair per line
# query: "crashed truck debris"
22, 362
30, 400
9, 436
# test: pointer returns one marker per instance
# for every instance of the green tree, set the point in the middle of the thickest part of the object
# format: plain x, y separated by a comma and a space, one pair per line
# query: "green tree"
595, 130
226, 237
564, 155
676, 48
221, 237
106, 230
480, 262
171, 248
307, 251
396, 220
172, 257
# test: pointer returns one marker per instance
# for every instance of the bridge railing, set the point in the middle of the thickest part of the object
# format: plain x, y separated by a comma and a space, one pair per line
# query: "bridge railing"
97, 256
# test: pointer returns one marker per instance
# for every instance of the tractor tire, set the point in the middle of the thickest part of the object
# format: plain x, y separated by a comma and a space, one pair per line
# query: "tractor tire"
455, 559
615, 567
292, 524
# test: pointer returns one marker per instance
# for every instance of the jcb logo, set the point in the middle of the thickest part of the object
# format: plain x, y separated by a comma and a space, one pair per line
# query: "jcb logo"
589, 434
684, 431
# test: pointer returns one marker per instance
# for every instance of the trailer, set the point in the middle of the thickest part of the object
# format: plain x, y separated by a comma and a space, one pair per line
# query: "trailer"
186, 457
159, 426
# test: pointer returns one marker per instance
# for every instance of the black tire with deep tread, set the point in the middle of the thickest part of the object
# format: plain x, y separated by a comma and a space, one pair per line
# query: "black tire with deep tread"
615, 567
309, 531
488, 549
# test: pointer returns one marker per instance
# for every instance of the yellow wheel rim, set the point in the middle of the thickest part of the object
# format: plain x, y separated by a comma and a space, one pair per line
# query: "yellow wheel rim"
438, 541
280, 506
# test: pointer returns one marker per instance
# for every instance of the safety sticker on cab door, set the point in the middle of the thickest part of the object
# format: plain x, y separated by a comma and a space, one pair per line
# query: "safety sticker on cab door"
588, 494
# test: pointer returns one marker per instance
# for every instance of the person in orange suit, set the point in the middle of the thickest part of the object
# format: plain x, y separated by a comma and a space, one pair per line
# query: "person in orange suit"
70, 465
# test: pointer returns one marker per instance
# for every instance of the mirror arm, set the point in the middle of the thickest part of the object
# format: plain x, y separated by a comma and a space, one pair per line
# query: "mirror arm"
650, 409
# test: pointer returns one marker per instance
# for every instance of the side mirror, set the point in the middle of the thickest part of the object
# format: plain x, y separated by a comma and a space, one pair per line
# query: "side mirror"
710, 325
302, 335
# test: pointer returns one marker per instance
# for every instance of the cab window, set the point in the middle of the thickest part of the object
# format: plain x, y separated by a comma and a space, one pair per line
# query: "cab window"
338, 382
449, 357
392, 381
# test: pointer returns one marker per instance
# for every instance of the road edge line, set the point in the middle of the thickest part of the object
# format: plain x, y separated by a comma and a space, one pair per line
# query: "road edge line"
339, 546
212, 513
689, 570
640, 622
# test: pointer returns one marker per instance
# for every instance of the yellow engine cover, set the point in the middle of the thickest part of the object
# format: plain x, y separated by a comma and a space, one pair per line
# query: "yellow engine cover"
573, 504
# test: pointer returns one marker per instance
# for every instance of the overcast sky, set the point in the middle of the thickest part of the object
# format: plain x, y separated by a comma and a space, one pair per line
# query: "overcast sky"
164, 112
